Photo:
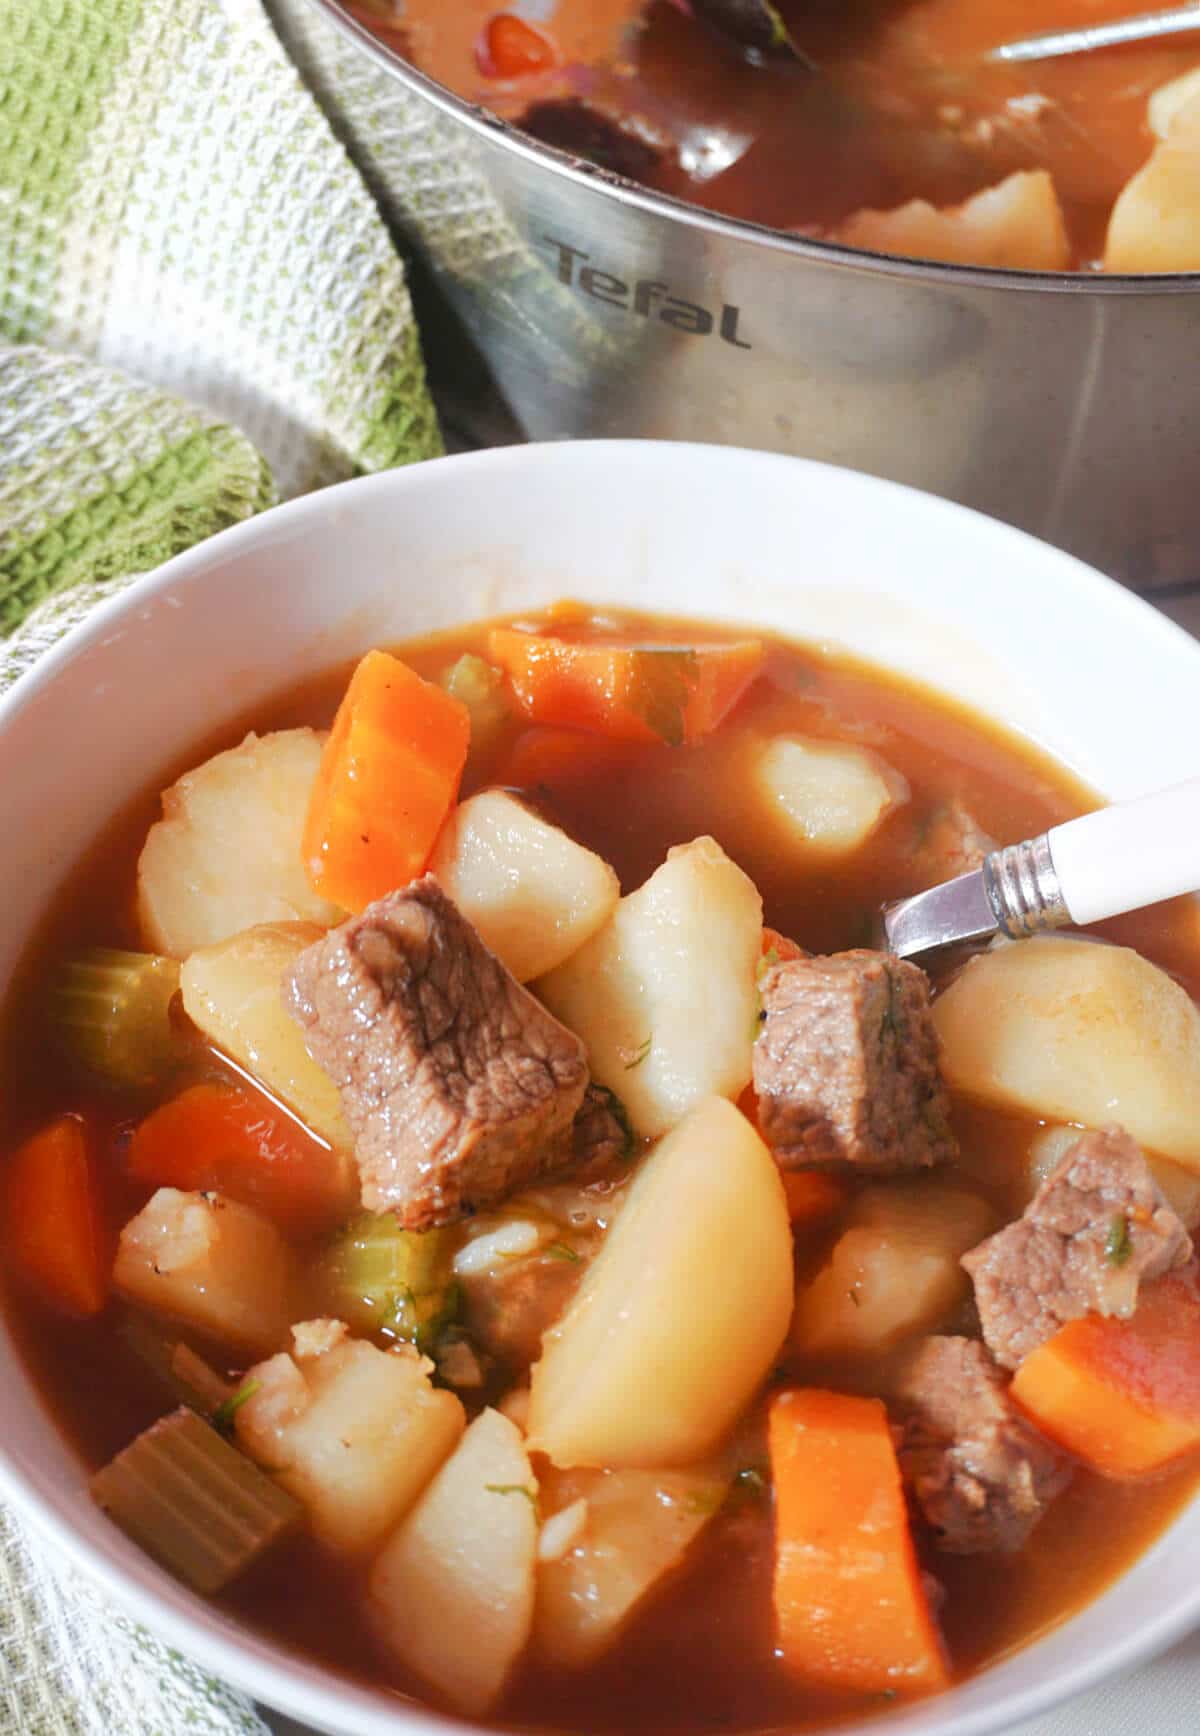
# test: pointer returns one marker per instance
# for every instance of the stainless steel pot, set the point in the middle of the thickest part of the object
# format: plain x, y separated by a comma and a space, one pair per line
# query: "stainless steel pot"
1065, 404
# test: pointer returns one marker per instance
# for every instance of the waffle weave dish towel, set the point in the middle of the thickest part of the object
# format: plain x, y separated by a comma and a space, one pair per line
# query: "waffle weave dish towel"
200, 312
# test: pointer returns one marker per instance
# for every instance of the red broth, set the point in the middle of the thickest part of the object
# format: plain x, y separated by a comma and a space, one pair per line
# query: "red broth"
903, 106
699, 1656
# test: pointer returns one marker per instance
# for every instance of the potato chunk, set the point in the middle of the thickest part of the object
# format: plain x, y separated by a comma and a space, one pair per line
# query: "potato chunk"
680, 1314
893, 1272
452, 1592
636, 1527
226, 853
211, 1264
1155, 223
1072, 1030
533, 893
234, 992
353, 1432
830, 796
1168, 102
1017, 224
665, 995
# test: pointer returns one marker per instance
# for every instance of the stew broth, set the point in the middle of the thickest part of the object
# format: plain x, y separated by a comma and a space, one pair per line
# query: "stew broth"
700, 1655
903, 105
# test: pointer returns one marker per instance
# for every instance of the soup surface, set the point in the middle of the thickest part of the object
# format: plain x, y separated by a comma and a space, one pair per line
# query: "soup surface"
699, 1626
901, 107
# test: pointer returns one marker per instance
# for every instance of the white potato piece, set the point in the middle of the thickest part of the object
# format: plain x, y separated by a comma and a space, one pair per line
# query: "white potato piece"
829, 795
452, 1592
534, 894
211, 1264
637, 1527
1180, 1186
1167, 104
1155, 222
680, 1314
1073, 1030
1017, 224
353, 1432
226, 853
665, 996
893, 1272
234, 992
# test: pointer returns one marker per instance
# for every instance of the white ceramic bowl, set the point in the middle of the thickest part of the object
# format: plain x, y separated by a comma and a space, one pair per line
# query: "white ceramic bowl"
979, 610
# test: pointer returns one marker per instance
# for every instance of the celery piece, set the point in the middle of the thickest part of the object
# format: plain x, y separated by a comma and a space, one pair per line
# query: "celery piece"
186, 1376
480, 686
194, 1502
381, 1278
112, 1012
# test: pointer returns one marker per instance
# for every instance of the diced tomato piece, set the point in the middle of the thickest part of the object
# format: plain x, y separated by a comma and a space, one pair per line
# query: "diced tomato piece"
509, 47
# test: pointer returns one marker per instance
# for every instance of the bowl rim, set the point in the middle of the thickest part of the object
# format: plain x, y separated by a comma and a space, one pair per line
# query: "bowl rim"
257, 1665
675, 210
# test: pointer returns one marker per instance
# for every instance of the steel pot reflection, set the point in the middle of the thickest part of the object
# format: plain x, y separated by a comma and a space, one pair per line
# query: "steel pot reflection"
1067, 404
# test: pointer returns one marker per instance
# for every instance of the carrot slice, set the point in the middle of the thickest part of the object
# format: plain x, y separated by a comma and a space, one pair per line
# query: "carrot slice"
850, 1607
1122, 1395
778, 949
671, 693
546, 757
389, 776
234, 1142
54, 1217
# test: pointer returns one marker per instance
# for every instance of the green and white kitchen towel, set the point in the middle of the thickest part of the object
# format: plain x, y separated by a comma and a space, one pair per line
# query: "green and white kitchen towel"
175, 211
200, 312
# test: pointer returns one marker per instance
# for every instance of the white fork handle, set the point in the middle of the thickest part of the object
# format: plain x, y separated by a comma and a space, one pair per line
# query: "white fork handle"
1129, 855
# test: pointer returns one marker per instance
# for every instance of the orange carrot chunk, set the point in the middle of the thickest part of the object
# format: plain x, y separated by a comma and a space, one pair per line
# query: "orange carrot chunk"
388, 777
850, 1607
671, 693
234, 1142
54, 1218
778, 949
1122, 1395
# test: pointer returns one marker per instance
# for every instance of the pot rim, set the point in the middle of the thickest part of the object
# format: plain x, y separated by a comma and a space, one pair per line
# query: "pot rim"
830, 253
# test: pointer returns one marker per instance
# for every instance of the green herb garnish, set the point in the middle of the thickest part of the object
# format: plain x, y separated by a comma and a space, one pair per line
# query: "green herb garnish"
564, 1251
512, 1489
1118, 1244
750, 1484
640, 1054
662, 683
222, 1417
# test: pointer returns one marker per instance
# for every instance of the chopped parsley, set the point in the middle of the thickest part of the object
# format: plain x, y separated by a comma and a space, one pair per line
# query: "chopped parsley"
639, 1055
512, 1489
1118, 1244
662, 682
564, 1251
222, 1417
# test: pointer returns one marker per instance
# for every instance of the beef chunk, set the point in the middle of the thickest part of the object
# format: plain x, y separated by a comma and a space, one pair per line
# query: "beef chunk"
1095, 1228
583, 131
458, 1086
982, 1474
846, 1065
954, 843
602, 1136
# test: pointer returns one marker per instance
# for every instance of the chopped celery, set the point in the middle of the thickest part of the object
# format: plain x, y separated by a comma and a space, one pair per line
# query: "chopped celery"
480, 686
381, 1278
186, 1376
194, 1502
112, 1011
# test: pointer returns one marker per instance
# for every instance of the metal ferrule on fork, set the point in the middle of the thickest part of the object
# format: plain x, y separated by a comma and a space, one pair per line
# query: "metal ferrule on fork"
1023, 890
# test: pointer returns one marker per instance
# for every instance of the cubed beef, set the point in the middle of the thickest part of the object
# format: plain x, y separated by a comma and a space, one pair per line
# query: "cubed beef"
982, 1475
846, 1065
602, 1136
457, 1084
1095, 1228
